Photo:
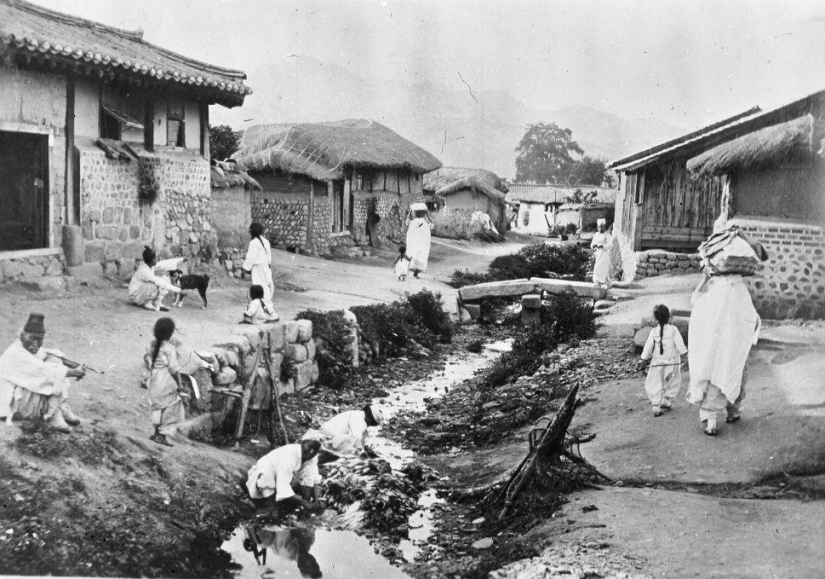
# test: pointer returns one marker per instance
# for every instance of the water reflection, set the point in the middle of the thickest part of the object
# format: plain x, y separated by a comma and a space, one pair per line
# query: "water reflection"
291, 544
326, 553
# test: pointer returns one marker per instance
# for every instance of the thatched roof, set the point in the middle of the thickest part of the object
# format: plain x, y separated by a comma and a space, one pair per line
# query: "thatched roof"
228, 174
323, 150
533, 193
695, 143
447, 176
788, 142
39, 38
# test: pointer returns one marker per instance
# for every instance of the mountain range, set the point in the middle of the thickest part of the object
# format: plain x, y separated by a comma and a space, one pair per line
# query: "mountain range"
463, 128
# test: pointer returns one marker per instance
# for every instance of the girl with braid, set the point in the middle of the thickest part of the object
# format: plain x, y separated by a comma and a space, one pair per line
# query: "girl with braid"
663, 351
164, 382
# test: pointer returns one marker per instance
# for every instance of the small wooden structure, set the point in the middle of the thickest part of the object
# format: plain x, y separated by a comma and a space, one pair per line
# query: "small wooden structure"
458, 189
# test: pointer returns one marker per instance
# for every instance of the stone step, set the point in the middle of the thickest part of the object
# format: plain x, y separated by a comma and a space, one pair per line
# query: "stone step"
518, 287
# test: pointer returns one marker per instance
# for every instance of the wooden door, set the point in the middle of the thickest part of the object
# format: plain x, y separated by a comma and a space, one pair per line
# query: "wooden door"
24, 209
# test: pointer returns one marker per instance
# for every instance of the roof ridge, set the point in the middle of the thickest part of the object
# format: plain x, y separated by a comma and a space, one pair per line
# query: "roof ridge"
136, 36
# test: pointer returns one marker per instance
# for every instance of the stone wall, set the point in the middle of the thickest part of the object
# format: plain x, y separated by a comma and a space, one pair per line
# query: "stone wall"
391, 208
284, 217
660, 262
173, 214
231, 216
32, 264
792, 282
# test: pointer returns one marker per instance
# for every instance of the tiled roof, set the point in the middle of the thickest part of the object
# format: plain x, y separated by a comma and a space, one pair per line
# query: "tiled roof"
37, 34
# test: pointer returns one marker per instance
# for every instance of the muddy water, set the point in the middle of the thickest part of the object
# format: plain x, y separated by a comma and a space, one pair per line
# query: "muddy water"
315, 552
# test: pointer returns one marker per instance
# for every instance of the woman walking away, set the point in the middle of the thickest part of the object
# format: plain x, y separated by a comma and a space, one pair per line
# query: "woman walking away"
663, 351
162, 361
418, 238
146, 289
259, 260
601, 243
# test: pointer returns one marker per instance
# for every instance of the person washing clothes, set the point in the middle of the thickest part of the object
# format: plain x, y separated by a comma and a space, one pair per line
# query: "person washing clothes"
663, 352
283, 471
601, 244
345, 434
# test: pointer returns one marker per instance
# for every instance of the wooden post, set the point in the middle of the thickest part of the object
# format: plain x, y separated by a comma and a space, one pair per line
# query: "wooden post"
638, 211
310, 216
149, 122
247, 395
204, 114
71, 211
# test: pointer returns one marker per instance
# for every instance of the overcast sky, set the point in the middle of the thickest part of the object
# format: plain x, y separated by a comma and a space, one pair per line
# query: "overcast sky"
687, 63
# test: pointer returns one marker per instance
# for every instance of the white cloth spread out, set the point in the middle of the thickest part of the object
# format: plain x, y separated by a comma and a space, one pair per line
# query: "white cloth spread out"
276, 471
418, 243
259, 261
19, 368
601, 270
723, 327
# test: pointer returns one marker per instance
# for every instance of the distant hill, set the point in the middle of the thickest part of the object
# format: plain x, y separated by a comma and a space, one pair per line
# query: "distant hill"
462, 129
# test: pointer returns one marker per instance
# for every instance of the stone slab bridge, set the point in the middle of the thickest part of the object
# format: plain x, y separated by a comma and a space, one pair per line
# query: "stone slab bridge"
529, 289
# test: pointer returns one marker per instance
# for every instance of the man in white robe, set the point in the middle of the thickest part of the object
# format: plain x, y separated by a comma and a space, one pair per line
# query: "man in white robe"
146, 289
601, 244
288, 466
258, 261
345, 434
34, 381
723, 327
418, 238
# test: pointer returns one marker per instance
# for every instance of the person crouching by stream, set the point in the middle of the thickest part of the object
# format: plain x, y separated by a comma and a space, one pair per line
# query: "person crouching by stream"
290, 473
663, 353
345, 434
167, 405
146, 289
34, 380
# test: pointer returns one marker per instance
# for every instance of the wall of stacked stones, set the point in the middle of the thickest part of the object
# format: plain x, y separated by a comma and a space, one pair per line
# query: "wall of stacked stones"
660, 262
117, 223
321, 225
231, 216
31, 266
283, 215
792, 282
392, 208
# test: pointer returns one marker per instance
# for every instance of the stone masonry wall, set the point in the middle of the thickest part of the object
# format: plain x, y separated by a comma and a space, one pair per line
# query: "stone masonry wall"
792, 282
392, 208
322, 226
31, 267
117, 222
284, 217
659, 262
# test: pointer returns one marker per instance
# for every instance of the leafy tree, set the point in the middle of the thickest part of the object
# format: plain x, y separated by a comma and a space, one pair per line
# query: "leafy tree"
223, 141
591, 171
545, 153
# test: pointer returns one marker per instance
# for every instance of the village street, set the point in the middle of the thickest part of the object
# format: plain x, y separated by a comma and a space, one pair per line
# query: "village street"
747, 492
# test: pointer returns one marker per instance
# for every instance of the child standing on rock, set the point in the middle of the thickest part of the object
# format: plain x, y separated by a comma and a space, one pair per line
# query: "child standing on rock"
663, 351
164, 382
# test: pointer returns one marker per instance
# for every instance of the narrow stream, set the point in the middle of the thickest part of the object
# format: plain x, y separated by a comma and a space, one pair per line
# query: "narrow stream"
342, 554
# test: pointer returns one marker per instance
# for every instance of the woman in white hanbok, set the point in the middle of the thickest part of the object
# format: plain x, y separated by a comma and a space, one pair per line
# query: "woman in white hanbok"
259, 259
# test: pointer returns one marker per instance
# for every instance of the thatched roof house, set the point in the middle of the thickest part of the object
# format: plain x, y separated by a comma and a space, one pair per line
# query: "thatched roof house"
335, 183
110, 136
539, 208
324, 151
468, 191
773, 172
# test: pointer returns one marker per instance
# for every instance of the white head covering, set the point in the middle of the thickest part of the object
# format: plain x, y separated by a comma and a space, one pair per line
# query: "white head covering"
377, 415
601, 221
418, 207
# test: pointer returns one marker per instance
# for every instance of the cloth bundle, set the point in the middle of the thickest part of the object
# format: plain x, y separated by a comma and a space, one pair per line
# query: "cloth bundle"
732, 251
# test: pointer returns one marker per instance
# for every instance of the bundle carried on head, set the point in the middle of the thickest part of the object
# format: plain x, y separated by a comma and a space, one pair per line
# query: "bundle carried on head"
732, 251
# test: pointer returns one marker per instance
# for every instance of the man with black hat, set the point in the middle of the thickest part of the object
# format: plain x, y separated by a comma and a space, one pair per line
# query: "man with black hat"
34, 381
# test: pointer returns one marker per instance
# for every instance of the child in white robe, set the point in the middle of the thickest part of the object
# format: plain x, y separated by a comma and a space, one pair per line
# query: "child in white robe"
165, 400
664, 349
260, 310
402, 264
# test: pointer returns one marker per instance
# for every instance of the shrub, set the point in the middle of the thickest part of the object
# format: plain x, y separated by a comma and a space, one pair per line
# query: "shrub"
488, 236
572, 228
564, 260
333, 337
513, 266
568, 317
425, 308
462, 278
